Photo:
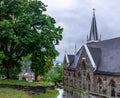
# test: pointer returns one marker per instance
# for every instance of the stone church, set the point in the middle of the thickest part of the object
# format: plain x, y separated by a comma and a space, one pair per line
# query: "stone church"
95, 67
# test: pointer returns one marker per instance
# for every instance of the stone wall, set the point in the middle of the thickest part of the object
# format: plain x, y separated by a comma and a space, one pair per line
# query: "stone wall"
106, 84
32, 89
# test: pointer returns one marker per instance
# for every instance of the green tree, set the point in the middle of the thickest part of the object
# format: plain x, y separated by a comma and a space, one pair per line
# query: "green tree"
26, 29
41, 65
55, 74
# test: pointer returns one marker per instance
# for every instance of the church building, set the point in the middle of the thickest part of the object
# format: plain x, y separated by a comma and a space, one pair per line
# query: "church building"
95, 67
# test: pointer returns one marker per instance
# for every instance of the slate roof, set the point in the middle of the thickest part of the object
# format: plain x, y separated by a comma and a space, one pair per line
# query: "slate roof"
76, 58
96, 54
106, 55
73, 59
70, 58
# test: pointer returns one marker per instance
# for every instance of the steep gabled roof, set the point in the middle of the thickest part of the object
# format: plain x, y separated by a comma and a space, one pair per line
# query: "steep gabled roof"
96, 55
71, 58
76, 58
68, 59
108, 55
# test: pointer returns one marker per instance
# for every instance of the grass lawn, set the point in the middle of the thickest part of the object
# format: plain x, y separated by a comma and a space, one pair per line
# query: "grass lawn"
49, 94
23, 82
12, 93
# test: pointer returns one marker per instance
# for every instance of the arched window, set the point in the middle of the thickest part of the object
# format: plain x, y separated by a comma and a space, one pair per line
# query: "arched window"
68, 73
76, 80
99, 85
112, 87
88, 82
84, 75
79, 77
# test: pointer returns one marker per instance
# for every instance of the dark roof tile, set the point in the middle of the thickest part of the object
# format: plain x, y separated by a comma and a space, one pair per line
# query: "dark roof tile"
110, 55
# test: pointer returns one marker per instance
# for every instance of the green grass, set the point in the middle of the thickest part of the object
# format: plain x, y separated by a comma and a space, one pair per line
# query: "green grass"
12, 93
23, 82
49, 94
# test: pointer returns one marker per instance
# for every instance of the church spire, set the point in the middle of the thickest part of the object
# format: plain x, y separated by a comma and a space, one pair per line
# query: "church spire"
93, 31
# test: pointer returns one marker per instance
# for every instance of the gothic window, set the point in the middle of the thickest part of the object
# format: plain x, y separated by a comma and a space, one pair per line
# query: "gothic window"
75, 80
71, 83
88, 82
88, 85
84, 79
69, 74
84, 75
99, 86
79, 77
66, 82
112, 87
80, 83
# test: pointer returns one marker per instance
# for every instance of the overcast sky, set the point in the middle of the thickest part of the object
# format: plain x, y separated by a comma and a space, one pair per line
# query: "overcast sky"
75, 17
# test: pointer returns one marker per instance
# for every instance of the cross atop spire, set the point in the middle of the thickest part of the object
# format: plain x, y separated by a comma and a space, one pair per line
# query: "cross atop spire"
93, 12
75, 49
93, 31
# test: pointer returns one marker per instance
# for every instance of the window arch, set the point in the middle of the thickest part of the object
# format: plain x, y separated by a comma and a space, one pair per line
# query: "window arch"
83, 64
112, 88
100, 84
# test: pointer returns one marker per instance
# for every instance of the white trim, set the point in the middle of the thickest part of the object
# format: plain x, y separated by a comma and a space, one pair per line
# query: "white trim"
79, 49
90, 57
67, 58
90, 41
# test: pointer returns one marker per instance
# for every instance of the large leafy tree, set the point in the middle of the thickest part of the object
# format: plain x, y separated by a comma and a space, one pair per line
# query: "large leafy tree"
26, 29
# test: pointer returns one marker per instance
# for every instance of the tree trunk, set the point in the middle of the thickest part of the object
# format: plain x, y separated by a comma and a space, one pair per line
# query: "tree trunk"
9, 71
8, 65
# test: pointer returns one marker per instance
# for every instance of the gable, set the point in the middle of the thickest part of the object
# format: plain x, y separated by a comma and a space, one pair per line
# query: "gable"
86, 57
76, 58
68, 60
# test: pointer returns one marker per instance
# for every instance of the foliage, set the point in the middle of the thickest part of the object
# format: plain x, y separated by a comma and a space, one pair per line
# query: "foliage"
25, 29
41, 65
12, 93
55, 74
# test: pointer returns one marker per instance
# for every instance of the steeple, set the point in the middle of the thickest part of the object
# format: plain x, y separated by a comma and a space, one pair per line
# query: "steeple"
93, 31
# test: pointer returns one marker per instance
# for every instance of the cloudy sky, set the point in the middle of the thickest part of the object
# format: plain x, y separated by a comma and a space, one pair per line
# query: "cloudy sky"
75, 17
